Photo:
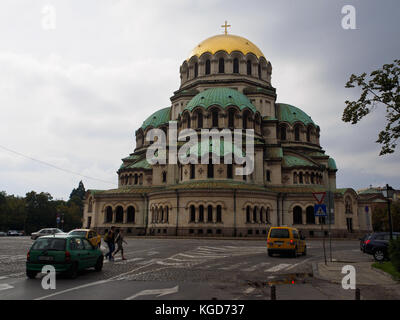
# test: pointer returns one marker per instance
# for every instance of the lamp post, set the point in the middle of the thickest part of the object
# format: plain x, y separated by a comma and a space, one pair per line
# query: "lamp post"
388, 194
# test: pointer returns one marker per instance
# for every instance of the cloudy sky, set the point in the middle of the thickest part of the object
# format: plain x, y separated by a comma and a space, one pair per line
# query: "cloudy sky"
77, 78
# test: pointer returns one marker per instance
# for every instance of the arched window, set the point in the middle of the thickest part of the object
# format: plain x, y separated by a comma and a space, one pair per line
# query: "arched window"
126, 179
90, 206
192, 213
283, 132
221, 65
199, 119
210, 170
309, 134
248, 67
255, 214
201, 213
348, 205
166, 214
162, 215
119, 215
259, 71
267, 216
214, 115
294, 177
301, 177
245, 118
131, 214
187, 121
262, 215
109, 214
231, 118
208, 67
210, 213
236, 65
136, 178
310, 217
312, 178
196, 69
229, 171
268, 175
297, 215
248, 214
164, 176
297, 133
219, 213
192, 171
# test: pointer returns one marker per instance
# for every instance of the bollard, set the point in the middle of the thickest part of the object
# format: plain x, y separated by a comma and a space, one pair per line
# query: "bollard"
358, 294
273, 293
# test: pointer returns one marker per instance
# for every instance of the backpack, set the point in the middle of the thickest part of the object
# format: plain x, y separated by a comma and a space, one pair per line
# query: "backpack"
106, 237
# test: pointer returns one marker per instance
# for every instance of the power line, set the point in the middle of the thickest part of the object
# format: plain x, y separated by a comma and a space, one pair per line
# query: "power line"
55, 167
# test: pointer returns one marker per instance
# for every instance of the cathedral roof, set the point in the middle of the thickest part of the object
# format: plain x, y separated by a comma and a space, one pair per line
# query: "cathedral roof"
292, 114
228, 43
157, 118
293, 161
332, 164
222, 97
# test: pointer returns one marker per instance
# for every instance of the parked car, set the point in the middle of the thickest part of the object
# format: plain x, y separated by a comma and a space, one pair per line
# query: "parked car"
13, 233
286, 240
66, 253
90, 234
363, 240
45, 232
2, 234
377, 244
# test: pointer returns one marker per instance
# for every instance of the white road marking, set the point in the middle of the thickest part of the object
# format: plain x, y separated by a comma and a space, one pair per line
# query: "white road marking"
297, 264
234, 266
5, 286
255, 267
128, 260
158, 292
249, 290
278, 267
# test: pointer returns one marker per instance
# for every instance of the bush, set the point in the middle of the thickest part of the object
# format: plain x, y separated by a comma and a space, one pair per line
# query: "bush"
394, 253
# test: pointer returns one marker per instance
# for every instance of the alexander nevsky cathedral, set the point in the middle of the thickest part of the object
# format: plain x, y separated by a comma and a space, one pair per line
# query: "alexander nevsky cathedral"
226, 84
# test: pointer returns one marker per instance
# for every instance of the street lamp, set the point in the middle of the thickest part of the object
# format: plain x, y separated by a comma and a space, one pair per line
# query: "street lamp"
388, 194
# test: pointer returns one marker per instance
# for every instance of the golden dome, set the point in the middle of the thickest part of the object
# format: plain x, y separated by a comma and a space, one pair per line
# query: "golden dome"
228, 43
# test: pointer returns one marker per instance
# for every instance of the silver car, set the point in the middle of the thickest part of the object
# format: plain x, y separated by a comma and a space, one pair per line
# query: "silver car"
45, 232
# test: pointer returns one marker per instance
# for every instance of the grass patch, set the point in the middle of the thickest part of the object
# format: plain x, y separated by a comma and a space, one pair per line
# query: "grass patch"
388, 267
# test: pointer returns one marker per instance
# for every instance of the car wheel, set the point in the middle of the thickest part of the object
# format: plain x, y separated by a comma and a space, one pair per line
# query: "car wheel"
379, 255
99, 264
31, 274
269, 253
294, 253
305, 251
73, 271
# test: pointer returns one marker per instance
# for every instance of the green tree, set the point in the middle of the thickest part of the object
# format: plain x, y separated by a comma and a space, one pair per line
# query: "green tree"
78, 192
380, 217
381, 88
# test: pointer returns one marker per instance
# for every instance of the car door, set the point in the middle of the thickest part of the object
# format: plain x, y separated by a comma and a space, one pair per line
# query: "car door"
80, 253
91, 254
296, 240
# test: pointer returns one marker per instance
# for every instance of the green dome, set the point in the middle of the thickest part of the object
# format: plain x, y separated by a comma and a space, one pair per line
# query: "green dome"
222, 97
332, 164
292, 114
157, 118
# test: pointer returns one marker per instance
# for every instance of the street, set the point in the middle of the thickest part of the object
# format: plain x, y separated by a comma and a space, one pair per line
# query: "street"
189, 269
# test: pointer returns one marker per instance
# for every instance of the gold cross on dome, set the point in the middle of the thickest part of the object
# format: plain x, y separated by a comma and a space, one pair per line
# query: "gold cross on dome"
226, 25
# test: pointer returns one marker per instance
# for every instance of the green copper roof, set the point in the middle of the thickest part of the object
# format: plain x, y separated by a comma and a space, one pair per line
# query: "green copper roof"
222, 97
205, 147
292, 114
293, 161
332, 164
141, 164
157, 118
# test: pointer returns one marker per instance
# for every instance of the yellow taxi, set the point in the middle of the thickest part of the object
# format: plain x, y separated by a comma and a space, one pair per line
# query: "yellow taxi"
286, 240
90, 234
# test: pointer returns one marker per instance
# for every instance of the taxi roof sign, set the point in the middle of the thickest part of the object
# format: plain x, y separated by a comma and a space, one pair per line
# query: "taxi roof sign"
319, 196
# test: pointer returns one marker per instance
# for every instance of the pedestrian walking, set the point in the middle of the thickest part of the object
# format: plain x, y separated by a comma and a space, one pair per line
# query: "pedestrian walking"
109, 238
119, 240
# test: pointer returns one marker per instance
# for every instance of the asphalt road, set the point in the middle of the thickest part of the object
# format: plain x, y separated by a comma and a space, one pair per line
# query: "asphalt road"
181, 269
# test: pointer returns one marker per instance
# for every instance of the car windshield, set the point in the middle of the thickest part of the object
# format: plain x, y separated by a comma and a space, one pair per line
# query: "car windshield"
49, 244
279, 233
78, 233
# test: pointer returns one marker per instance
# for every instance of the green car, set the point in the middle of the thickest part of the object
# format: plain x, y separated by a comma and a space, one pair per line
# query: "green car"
66, 253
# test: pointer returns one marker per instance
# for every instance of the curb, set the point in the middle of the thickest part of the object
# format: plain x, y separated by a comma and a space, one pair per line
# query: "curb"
387, 275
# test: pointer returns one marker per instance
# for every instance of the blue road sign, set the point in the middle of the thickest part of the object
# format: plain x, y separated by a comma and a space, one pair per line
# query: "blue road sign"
320, 210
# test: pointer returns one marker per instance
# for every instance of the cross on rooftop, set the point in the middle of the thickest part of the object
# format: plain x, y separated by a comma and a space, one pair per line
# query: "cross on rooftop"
226, 25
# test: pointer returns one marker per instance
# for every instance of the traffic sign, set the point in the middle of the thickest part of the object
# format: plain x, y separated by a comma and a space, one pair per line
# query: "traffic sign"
320, 210
319, 196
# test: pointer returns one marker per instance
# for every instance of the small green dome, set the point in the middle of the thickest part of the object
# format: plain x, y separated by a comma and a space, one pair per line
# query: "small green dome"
332, 164
292, 114
222, 97
157, 118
